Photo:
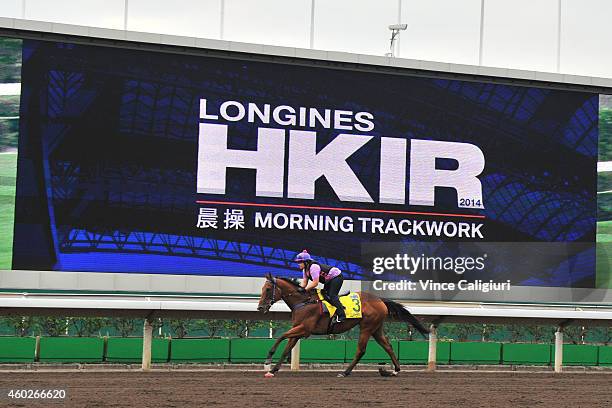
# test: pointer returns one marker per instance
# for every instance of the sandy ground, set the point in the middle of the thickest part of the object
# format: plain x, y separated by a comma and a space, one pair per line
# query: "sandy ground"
314, 388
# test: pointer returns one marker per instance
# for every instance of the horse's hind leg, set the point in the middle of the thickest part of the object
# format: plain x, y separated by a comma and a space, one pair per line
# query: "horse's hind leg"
380, 337
364, 336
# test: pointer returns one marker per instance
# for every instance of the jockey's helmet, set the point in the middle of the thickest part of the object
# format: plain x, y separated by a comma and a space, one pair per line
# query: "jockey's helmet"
303, 257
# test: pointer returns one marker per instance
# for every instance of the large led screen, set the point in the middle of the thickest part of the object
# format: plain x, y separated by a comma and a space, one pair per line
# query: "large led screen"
135, 161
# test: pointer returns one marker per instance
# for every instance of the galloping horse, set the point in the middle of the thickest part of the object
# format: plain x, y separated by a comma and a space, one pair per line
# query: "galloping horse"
307, 319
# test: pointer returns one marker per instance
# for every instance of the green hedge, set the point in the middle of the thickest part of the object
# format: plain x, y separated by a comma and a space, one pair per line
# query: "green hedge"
253, 350
475, 353
17, 349
129, 350
71, 349
90, 350
417, 352
374, 352
414, 352
200, 350
583, 355
526, 354
605, 355
322, 351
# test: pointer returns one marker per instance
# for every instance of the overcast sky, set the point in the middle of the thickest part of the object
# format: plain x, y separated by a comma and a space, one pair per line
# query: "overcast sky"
516, 33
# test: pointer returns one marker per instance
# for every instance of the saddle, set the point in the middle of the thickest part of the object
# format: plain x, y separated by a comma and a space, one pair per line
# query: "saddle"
350, 301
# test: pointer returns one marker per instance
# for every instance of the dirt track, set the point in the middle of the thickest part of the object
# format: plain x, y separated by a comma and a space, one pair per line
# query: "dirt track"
317, 389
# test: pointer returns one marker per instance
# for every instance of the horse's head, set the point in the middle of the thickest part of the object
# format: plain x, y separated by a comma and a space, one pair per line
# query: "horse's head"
270, 293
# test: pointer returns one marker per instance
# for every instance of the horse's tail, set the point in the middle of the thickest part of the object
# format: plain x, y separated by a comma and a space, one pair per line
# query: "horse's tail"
399, 312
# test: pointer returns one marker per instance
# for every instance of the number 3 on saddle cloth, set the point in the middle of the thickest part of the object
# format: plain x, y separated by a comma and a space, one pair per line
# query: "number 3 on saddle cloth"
351, 303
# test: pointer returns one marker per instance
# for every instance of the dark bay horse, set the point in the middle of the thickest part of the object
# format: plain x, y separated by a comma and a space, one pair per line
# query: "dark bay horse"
307, 319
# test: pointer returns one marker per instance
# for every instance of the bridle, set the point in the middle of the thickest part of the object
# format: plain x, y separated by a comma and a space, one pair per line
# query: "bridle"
271, 300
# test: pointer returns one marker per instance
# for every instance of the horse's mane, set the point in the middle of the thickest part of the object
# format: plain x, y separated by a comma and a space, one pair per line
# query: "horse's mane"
292, 281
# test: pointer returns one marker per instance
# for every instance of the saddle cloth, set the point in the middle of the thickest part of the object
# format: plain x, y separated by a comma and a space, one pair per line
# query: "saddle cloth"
351, 303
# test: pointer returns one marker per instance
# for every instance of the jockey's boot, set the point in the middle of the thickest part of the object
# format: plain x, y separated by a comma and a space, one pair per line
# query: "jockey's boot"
340, 314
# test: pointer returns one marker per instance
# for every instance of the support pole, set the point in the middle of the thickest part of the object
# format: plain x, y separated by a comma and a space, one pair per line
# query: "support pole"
312, 24
433, 342
37, 349
558, 349
125, 14
480, 43
295, 356
147, 339
559, 9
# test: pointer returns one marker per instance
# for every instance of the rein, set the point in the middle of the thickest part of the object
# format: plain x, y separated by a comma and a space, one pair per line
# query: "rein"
302, 304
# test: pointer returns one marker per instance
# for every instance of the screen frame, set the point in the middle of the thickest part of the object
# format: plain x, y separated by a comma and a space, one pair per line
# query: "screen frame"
39, 282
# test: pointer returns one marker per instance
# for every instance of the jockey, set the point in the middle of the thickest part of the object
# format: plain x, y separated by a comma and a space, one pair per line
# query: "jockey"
329, 276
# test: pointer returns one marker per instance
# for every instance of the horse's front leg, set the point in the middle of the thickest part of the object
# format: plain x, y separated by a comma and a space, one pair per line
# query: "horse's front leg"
271, 353
294, 333
290, 345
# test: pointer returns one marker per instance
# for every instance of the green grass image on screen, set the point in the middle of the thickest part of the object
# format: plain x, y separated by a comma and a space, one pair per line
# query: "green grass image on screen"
8, 171
10, 73
604, 199
604, 255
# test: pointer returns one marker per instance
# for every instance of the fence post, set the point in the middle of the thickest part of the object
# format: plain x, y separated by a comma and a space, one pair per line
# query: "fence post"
169, 349
559, 349
104, 347
37, 349
147, 340
295, 356
433, 341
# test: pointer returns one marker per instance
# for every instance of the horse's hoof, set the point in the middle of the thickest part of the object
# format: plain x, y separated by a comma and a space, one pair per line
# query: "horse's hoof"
268, 375
342, 375
386, 373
